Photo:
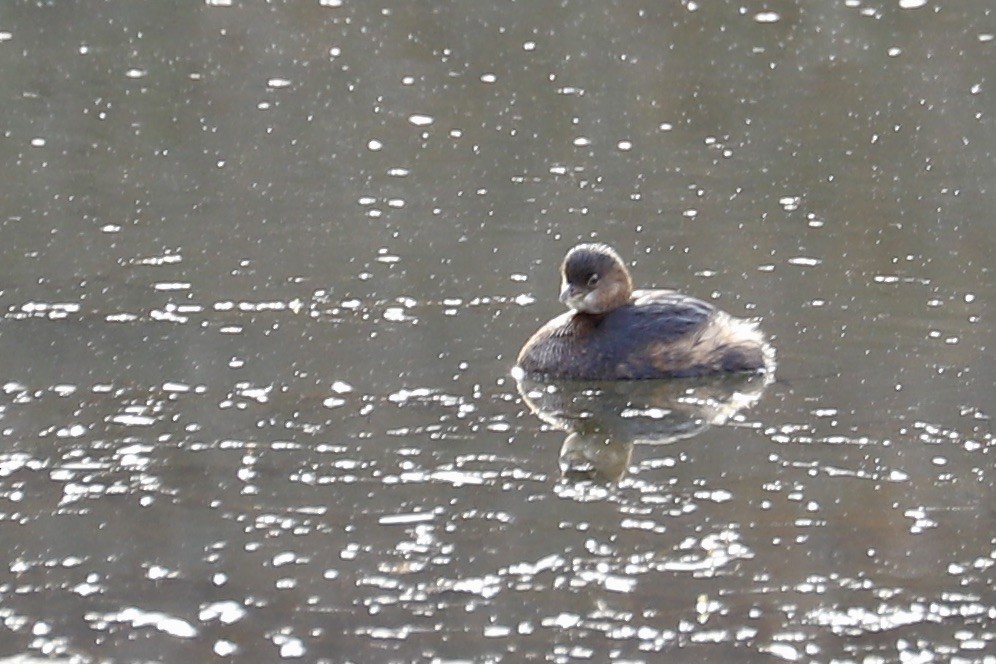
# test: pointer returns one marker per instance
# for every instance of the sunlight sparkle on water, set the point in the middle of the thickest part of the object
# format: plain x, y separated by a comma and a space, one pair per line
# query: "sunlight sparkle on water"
141, 618
225, 612
420, 120
805, 261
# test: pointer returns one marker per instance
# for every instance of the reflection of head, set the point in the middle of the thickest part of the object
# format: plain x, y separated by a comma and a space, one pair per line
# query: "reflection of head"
593, 456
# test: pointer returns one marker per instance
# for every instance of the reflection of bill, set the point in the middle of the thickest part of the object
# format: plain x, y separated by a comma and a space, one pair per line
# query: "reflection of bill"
604, 420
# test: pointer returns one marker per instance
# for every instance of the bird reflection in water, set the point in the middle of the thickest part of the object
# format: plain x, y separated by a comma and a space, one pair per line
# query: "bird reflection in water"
604, 420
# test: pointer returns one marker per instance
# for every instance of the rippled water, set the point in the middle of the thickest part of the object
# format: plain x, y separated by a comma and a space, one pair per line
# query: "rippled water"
266, 268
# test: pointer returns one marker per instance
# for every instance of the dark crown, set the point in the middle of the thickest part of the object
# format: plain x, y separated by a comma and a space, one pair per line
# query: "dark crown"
585, 260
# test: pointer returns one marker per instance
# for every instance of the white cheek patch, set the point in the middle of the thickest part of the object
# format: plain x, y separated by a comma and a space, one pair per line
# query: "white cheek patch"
590, 302
576, 303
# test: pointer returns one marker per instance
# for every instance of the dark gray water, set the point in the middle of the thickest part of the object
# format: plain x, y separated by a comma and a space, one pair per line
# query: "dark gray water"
266, 267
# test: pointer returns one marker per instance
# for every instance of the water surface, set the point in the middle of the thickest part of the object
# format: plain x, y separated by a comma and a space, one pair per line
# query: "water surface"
266, 268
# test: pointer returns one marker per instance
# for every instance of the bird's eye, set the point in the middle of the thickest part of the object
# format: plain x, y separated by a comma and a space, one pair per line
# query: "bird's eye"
592, 281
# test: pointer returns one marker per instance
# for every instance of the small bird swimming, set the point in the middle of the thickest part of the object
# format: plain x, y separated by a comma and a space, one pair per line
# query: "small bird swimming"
615, 333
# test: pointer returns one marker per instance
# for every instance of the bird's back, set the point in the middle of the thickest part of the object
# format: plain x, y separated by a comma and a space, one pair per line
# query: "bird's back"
659, 334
